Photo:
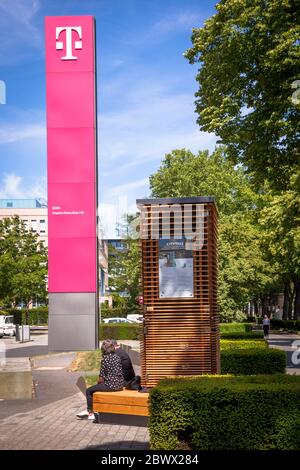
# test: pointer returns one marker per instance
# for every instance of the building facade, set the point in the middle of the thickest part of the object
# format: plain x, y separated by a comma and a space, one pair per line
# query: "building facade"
34, 213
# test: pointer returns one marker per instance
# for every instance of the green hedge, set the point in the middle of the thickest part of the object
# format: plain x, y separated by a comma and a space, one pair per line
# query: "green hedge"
245, 335
235, 327
252, 361
227, 344
286, 324
226, 413
120, 330
36, 316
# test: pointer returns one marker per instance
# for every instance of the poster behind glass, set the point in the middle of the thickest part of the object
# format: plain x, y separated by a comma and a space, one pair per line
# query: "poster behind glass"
176, 278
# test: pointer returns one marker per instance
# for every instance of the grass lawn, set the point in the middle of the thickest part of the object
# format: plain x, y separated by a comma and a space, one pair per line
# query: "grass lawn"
86, 361
91, 380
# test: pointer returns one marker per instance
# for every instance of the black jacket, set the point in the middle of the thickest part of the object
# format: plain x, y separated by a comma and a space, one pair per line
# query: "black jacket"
127, 368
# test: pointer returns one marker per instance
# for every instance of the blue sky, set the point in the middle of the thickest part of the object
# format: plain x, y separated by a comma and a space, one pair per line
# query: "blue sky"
145, 93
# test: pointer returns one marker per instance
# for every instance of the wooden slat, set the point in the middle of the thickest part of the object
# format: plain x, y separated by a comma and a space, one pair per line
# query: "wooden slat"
128, 402
180, 336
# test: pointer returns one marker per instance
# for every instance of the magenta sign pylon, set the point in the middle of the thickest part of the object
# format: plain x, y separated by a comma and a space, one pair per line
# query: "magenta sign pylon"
72, 182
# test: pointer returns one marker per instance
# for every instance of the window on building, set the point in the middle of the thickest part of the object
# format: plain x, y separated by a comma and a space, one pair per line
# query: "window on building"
25, 223
33, 225
9, 204
42, 226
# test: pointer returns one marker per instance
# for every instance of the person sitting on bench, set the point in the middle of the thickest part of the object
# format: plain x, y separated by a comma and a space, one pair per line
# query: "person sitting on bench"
110, 378
131, 381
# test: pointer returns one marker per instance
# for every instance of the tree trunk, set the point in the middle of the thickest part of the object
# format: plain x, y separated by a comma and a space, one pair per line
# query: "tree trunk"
286, 301
264, 305
291, 302
297, 298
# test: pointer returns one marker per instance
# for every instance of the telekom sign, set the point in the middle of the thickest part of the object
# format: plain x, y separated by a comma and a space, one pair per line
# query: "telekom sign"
69, 42
72, 181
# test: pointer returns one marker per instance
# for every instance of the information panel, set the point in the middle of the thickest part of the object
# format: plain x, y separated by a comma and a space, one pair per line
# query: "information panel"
176, 269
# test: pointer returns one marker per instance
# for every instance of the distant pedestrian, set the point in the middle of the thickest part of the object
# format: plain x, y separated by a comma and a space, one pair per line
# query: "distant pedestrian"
110, 378
266, 326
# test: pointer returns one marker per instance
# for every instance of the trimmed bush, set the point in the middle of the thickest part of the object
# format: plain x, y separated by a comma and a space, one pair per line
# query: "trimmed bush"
243, 335
243, 344
252, 361
235, 327
226, 413
286, 324
120, 330
36, 316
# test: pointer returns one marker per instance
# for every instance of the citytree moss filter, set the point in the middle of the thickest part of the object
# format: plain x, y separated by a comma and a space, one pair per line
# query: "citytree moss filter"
179, 287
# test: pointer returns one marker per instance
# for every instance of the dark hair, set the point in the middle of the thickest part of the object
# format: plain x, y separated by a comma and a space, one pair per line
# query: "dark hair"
107, 347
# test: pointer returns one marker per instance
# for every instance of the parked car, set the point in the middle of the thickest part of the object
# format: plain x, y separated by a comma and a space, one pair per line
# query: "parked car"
135, 318
7, 326
116, 320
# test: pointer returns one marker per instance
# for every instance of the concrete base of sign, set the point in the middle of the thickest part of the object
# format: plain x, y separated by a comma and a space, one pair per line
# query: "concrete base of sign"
16, 379
73, 322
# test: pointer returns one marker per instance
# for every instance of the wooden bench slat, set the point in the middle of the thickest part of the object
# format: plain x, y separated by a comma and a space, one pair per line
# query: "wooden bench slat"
121, 409
129, 402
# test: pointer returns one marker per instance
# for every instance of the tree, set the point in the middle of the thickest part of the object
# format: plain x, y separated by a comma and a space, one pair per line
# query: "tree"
23, 264
124, 265
280, 219
250, 61
245, 273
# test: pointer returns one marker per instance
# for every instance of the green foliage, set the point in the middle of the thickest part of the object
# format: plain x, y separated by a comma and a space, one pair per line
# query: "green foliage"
250, 343
248, 361
249, 56
86, 361
235, 327
247, 335
120, 331
244, 271
91, 380
226, 413
124, 267
184, 174
23, 264
34, 316
120, 309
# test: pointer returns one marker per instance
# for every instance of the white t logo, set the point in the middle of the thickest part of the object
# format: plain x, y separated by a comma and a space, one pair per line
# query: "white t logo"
77, 44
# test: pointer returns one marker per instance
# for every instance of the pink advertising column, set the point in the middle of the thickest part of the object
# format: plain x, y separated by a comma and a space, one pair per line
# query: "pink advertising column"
72, 182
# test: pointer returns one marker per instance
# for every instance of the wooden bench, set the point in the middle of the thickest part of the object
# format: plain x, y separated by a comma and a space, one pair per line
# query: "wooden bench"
125, 402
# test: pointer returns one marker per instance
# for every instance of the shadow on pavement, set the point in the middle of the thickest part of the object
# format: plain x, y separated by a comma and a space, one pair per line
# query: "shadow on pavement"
125, 420
29, 351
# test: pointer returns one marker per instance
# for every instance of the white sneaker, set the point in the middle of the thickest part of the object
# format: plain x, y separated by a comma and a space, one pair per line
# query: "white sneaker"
83, 414
91, 416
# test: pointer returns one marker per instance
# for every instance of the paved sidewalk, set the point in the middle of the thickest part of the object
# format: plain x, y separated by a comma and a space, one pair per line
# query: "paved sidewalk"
54, 426
49, 420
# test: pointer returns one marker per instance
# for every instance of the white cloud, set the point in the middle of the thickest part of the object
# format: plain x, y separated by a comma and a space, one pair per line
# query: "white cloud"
153, 121
18, 34
128, 187
171, 24
12, 186
164, 28
14, 133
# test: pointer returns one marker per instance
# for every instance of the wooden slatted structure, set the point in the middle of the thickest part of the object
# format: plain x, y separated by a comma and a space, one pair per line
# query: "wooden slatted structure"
128, 402
181, 334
